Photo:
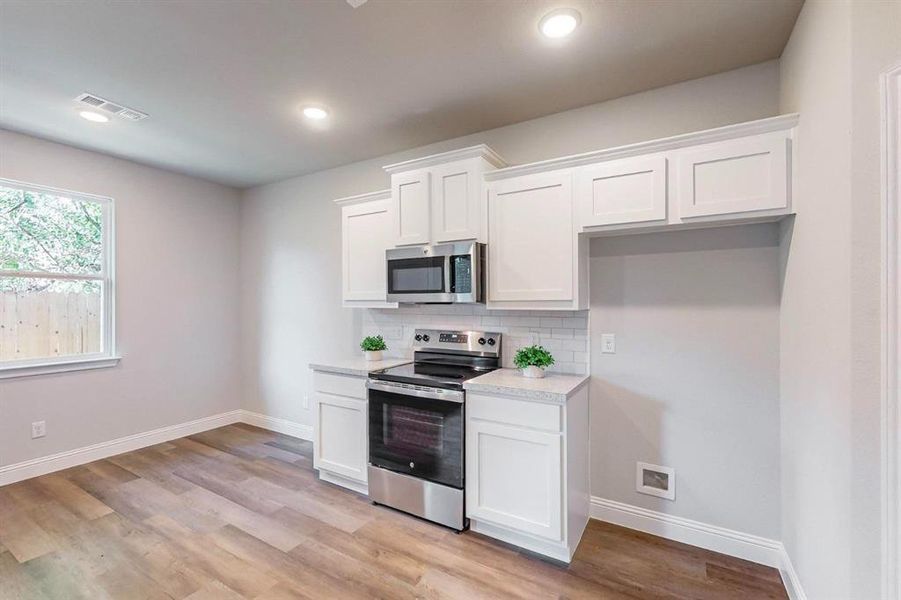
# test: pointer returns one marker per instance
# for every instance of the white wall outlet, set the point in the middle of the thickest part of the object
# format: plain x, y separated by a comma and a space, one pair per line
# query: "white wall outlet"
608, 343
306, 401
38, 429
655, 480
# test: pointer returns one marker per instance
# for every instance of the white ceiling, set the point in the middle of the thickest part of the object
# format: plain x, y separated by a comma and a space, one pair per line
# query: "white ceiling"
223, 80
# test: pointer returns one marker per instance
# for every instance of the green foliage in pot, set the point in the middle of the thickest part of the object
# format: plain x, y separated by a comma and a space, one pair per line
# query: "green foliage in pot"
373, 343
533, 356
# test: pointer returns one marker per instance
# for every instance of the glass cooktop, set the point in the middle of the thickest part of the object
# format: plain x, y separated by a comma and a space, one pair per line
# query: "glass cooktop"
431, 374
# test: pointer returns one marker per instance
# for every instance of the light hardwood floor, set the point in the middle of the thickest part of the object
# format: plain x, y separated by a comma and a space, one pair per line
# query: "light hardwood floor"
238, 513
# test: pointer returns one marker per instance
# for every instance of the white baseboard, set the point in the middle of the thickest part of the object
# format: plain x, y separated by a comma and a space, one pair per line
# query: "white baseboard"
79, 456
695, 533
790, 578
719, 539
298, 430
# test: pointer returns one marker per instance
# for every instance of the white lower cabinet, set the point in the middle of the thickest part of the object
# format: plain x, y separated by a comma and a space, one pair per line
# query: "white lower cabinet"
527, 471
515, 478
341, 430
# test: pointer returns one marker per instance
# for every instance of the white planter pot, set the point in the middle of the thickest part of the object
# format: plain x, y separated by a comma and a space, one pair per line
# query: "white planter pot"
373, 355
533, 371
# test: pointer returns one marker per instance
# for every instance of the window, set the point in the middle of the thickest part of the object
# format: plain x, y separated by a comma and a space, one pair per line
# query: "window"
56, 280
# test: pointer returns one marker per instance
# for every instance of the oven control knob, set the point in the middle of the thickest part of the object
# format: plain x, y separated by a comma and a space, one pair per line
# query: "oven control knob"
491, 341
412, 465
418, 338
481, 341
425, 338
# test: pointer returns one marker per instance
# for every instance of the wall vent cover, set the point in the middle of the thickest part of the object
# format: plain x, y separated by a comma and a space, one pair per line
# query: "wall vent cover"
655, 480
111, 107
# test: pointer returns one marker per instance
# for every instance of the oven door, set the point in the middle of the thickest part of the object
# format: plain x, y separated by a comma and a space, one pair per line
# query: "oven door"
417, 431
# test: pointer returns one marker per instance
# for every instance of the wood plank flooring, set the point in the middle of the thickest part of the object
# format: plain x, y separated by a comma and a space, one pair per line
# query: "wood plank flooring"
238, 513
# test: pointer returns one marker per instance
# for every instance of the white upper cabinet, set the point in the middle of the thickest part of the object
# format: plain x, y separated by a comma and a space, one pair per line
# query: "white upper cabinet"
735, 176
456, 195
439, 198
629, 190
725, 175
366, 232
533, 248
410, 196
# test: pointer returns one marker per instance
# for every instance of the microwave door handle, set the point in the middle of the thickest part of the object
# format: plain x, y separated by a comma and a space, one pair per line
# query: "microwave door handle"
447, 274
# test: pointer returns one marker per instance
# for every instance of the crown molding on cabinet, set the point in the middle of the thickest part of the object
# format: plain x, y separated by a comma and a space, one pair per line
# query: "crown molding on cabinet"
361, 198
479, 151
718, 134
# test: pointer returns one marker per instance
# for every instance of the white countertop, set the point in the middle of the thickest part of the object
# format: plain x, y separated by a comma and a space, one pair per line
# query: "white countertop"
553, 387
357, 366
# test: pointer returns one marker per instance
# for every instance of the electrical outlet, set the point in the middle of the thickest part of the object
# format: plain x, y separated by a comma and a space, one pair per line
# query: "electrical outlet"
306, 401
38, 429
608, 343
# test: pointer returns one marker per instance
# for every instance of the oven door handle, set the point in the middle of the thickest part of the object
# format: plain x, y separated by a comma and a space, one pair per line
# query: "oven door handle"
415, 390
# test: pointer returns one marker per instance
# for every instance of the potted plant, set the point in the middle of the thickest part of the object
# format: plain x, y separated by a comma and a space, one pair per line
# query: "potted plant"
533, 360
372, 346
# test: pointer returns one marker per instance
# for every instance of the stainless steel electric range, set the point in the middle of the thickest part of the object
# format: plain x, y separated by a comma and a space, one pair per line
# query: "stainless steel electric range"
416, 424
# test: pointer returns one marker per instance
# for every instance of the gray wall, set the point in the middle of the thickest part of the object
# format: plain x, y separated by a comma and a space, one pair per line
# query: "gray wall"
291, 287
694, 382
830, 328
176, 274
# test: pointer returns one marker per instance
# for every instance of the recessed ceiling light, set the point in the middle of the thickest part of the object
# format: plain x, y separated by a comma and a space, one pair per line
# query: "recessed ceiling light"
315, 112
560, 23
96, 117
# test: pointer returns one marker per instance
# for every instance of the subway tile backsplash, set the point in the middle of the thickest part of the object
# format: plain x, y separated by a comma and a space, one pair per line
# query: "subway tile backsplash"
564, 334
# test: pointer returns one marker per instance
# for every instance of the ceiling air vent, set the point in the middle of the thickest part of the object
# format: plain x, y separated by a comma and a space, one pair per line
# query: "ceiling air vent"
111, 107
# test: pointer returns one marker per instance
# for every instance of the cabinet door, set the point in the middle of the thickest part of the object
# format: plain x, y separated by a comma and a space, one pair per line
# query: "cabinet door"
736, 176
531, 241
631, 190
366, 234
342, 436
455, 201
514, 478
410, 202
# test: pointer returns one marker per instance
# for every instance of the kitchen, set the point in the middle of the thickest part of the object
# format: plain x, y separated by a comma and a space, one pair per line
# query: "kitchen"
408, 246
404, 300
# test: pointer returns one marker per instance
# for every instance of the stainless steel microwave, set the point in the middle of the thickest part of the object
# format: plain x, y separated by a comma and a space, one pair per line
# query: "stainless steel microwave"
441, 274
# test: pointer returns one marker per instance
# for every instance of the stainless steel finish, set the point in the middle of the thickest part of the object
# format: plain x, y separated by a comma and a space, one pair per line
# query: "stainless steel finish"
437, 250
432, 501
471, 346
419, 391
473, 249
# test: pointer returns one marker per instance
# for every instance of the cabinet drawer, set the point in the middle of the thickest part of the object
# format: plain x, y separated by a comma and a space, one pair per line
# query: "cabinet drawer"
523, 413
340, 385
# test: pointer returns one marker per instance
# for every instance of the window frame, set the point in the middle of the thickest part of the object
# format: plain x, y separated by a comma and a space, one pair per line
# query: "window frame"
107, 278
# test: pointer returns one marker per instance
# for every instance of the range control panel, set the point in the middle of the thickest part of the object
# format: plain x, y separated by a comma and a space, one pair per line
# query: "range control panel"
481, 342
454, 338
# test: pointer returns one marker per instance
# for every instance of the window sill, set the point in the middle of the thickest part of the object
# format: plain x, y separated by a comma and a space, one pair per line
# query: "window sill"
59, 366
